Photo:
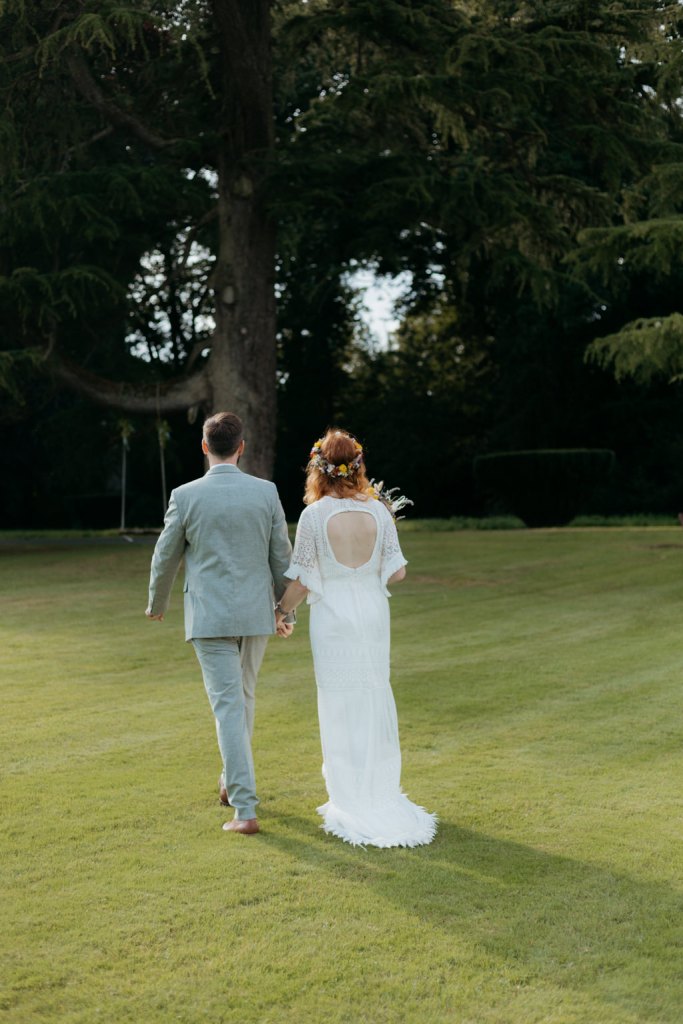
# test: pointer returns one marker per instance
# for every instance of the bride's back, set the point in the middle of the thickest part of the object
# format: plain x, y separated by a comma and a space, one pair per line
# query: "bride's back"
352, 536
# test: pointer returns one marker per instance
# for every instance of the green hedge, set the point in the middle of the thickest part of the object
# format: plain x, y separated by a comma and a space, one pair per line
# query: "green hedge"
546, 487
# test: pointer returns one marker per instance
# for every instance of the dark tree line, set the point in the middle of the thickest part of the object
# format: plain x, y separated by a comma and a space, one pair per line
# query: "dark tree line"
168, 169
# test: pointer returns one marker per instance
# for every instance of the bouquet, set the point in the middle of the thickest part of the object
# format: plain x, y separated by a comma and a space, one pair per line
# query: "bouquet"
393, 501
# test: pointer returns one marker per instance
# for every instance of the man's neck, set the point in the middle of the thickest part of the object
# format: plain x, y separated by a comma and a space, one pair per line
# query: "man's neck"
213, 461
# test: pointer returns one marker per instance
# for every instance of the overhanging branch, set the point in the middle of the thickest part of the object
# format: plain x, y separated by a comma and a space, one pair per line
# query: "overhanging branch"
171, 396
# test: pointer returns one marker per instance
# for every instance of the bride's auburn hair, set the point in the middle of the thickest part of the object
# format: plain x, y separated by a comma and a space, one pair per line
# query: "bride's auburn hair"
339, 448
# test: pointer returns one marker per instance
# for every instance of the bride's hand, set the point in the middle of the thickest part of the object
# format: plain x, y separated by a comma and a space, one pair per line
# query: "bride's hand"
284, 629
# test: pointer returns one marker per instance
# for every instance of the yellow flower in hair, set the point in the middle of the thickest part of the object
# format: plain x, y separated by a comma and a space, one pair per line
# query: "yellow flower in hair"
343, 469
357, 446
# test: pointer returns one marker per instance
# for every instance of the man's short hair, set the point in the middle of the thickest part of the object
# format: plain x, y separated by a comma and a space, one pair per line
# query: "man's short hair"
223, 434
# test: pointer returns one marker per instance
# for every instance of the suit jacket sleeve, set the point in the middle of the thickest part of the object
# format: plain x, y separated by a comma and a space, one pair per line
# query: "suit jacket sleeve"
166, 559
280, 549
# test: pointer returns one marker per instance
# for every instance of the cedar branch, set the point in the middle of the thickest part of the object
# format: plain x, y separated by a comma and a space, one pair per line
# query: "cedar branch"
91, 92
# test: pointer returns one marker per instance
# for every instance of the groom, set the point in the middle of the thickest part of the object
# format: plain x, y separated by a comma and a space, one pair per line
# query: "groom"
231, 530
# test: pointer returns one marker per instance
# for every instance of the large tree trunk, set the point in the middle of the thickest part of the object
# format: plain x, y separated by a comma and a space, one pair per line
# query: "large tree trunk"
242, 367
240, 375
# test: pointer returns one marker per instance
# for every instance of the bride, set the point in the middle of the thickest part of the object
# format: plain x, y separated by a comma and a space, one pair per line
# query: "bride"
345, 553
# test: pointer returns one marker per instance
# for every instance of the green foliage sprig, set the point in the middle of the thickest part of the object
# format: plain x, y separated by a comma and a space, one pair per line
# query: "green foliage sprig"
643, 349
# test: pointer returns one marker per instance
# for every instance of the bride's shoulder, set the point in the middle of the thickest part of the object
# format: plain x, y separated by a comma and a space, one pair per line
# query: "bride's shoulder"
311, 511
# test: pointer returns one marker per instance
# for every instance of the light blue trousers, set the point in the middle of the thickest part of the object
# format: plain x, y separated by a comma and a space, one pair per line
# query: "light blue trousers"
230, 666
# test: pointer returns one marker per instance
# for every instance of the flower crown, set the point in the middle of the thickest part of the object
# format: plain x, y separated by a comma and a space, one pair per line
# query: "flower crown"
318, 460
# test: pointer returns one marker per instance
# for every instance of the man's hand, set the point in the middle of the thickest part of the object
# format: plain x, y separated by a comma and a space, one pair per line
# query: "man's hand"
282, 628
157, 618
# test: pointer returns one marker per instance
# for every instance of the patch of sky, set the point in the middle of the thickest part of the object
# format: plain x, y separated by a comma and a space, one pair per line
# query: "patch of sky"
379, 297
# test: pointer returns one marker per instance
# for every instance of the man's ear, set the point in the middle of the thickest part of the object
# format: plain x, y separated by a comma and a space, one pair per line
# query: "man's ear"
205, 447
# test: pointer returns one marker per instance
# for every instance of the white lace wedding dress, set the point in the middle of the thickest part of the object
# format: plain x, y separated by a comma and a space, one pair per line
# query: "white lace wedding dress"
350, 638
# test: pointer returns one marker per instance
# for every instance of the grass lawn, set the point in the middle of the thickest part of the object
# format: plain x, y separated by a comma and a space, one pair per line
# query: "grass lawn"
538, 682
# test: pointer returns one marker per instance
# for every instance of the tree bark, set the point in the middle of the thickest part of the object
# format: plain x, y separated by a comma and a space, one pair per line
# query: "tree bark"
242, 366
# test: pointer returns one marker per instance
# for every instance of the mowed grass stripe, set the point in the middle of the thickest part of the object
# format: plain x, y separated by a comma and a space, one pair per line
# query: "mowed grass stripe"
537, 676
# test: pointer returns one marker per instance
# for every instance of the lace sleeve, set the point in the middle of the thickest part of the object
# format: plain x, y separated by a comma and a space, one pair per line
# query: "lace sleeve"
305, 566
391, 557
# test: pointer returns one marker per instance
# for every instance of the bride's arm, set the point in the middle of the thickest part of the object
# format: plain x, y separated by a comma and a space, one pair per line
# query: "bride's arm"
291, 599
399, 575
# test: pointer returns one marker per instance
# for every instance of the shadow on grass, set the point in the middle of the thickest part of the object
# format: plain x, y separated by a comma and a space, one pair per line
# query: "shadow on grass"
536, 917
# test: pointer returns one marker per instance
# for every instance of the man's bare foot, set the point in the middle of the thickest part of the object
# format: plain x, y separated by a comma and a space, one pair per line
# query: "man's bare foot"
246, 827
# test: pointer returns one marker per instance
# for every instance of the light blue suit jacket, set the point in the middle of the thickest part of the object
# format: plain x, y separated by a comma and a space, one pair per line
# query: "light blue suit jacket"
231, 530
